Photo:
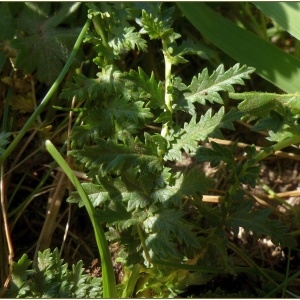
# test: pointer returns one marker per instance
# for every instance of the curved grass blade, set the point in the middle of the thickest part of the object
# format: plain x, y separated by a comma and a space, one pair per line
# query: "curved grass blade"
270, 62
109, 283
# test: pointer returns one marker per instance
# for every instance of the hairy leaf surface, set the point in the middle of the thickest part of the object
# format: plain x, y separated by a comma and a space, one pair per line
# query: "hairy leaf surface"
107, 156
188, 137
147, 87
259, 104
205, 87
155, 21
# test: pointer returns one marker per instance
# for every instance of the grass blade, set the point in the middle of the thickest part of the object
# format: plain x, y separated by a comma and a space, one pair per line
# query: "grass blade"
285, 14
270, 62
109, 283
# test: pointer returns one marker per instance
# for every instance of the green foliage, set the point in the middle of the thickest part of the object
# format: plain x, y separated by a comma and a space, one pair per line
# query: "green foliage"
274, 112
137, 193
42, 34
252, 46
136, 126
52, 279
205, 87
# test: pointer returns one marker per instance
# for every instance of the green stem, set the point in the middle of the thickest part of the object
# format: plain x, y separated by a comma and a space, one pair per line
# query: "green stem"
168, 76
48, 96
141, 236
272, 193
108, 276
100, 30
131, 282
295, 139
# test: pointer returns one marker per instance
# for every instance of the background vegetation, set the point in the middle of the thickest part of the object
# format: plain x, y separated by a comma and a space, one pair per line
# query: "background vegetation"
149, 149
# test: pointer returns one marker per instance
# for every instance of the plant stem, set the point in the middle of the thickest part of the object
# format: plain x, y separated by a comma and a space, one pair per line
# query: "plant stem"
168, 76
48, 96
100, 30
131, 282
144, 244
295, 139
109, 283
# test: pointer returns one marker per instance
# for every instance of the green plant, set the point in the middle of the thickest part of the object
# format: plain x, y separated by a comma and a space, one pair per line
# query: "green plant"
137, 193
136, 123
53, 279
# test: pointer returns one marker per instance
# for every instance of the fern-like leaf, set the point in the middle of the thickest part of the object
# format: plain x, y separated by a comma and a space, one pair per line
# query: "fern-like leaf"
155, 21
19, 278
188, 137
188, 47
160, 247
52, 279
108, 156
129, 190
109, 80
190, 184
146, 87
215, 155
114, 213
205, 87
123, 110
97, 193
168, 224
126, 40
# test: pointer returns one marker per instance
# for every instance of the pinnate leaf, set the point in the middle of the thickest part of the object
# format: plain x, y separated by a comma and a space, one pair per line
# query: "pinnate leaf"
126, 40
19, 276
115, 212
97, 193
109, 80
123, 110
189, 184
188, 137
168, 224
148, 87
188, 47
108, 156
205, 87
155, 21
